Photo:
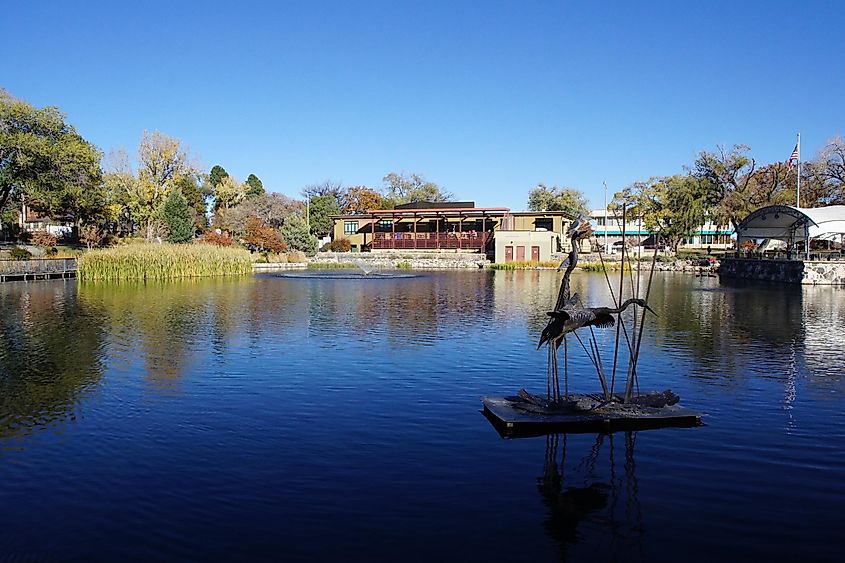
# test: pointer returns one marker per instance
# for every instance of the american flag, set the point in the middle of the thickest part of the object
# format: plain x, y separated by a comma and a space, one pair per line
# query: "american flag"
793, 158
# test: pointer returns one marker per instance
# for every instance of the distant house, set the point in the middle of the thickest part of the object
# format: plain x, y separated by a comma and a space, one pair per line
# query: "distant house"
706, 235
29, 221
456, 226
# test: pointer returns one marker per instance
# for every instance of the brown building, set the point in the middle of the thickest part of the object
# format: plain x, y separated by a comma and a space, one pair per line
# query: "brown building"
458, 226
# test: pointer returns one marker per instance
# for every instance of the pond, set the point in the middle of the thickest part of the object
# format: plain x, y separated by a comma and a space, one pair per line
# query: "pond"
276, 418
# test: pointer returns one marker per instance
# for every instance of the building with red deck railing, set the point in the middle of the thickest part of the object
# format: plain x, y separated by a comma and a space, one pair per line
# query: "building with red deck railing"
457, 226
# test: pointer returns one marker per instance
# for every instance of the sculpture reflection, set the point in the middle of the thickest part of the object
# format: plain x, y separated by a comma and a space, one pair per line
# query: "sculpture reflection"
592, 489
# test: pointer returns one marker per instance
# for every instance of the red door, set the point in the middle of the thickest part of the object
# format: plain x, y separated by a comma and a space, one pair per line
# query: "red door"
508, 254
535, 253
520, 254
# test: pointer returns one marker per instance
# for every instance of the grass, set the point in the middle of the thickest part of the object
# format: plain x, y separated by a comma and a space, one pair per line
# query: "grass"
598, 267
524, 265
163, 262
332, 266
403, 266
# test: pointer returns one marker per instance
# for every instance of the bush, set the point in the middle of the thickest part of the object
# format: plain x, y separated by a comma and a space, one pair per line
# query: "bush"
18, 253
44, 239
403, 266
525, 265
340, 245
296, 256
217, 239
262, 237
90, 236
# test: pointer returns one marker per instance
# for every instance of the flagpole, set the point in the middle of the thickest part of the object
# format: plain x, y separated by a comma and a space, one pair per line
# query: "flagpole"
798, 191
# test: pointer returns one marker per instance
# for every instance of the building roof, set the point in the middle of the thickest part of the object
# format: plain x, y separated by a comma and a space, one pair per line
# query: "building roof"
784, 222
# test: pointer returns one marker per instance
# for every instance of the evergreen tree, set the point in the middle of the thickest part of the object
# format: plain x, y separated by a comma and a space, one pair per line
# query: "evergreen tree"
176, 214
254, 186
216, 175
296, 235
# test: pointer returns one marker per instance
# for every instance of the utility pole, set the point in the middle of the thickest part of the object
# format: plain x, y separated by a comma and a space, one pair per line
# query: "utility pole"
606, 249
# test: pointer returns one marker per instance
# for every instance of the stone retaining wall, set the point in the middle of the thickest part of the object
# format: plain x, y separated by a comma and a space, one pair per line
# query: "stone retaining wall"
388, 260
785, 271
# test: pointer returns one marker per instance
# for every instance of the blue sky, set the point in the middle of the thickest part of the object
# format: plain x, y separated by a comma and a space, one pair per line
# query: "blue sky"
485, 98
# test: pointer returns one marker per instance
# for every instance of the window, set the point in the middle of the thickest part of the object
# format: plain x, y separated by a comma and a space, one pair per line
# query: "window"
385, 224
350, 227
545, 223
600, 221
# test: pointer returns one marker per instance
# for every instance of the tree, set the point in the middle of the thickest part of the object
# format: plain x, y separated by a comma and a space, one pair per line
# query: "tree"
216, 175
271, 208
334, 189
228, 193
255, 187
359, 199
825, 176
726, 175
90, 236
263, 237
162, 161
402, 188
190, 187
296, 235
571, 200
176, 215
320, 212
45, 161
672, 206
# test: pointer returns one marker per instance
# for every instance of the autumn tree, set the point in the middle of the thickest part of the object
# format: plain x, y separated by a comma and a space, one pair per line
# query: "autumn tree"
825, 176
262, 237
228, 193
544, 198
162, 162
271, 208
359, 199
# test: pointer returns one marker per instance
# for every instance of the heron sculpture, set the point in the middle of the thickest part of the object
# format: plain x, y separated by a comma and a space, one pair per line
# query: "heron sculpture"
569, 314
578, 230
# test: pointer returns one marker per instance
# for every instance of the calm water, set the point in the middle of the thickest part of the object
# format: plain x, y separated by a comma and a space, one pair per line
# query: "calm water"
291, 419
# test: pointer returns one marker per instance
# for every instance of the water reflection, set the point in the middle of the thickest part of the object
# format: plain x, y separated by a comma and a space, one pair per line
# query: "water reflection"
51, 353
589, 487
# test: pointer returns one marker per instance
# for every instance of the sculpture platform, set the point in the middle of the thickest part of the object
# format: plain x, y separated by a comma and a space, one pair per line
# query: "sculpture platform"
528, 415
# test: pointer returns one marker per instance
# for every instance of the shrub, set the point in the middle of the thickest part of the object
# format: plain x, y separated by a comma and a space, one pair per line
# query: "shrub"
262, 237
90, 236
403, 266
332, 266
340, 245
296, 256
44, 239
162, 262
525, 265
18, 253
217, 239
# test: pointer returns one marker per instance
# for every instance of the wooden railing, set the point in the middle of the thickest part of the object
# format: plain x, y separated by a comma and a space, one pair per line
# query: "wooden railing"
431, 241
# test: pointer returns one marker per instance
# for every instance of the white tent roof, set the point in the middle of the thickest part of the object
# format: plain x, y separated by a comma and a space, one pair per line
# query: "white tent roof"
786, 223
